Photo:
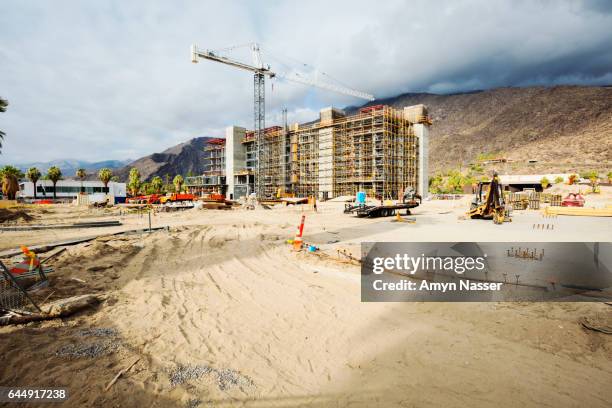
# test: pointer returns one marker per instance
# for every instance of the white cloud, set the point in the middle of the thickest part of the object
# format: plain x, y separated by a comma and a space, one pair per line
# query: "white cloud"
100, 80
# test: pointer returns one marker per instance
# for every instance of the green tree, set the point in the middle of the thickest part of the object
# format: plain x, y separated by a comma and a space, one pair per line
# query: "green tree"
11, 170
147, 188
157, 184
558, 179
3, 105
134, 181
592, 175
470, 180
178, 182
33, 174
455, 182
544, 182
10, 176
81, 174
609, 177
436, 184
55, 174
105, 175
476, 168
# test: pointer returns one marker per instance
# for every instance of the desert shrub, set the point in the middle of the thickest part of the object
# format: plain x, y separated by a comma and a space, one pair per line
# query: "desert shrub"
590, 175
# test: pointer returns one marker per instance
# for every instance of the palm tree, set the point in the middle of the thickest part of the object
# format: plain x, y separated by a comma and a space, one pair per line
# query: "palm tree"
157, 184
10, 176
178, 182
134, 181
3, 105
33, 174
81, 174
105, 175
54, 174
145, 188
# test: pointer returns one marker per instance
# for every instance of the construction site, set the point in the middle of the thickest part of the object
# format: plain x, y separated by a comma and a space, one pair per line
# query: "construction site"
379, 150
244, 286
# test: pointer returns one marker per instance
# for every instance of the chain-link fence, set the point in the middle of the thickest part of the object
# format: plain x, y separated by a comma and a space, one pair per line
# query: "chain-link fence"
13, 293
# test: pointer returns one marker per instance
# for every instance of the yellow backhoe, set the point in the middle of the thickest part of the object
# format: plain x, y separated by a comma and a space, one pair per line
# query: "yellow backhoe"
492, 207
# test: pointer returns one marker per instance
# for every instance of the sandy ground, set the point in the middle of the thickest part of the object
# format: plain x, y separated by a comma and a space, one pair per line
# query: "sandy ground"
222, 313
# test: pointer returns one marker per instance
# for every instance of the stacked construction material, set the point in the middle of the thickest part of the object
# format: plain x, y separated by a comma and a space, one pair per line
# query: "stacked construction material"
589, 212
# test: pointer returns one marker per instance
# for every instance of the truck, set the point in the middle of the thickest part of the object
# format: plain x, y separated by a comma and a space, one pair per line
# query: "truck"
409, 200
177, 198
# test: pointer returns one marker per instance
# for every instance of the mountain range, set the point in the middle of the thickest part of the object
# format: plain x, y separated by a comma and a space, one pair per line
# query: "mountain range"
537, 129
70, 166
184, 158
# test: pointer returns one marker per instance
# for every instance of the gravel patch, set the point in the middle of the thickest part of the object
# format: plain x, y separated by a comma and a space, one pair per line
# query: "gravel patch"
225, 378
228, 378
183, 374
91, 350
193, 403
98, 332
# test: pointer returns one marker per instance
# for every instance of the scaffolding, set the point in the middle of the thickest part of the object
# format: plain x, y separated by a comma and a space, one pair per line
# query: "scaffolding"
213, 178
214, 164
272, 166
375, 151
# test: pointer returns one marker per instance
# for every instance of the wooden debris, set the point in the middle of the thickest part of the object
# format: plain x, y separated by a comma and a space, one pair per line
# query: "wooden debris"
48, 296
120, 373
599, 322
59, 308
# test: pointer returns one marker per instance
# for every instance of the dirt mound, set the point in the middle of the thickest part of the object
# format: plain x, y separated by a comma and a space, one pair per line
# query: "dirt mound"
7, 215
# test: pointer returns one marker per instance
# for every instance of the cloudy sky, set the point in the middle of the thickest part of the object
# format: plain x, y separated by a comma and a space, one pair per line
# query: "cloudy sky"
97, 80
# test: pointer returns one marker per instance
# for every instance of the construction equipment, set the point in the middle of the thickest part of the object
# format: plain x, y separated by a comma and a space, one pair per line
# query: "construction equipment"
492, 206
145, 199
260, 71
177, 198
409, 200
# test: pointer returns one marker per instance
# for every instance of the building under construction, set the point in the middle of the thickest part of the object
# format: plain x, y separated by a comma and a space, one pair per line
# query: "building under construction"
379, 150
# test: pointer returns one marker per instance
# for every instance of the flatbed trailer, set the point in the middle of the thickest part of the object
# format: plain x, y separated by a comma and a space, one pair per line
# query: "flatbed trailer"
373, 211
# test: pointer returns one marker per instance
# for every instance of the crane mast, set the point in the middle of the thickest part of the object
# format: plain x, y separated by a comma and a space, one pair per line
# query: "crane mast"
260, 71
259, 97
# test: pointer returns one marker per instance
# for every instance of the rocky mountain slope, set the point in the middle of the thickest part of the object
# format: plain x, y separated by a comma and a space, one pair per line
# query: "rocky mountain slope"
564, 128
180, 159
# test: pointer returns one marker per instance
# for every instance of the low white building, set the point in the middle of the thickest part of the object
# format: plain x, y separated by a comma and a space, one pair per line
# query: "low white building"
71, 188
517, 182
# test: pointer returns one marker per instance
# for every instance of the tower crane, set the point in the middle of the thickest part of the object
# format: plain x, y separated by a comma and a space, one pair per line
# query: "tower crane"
260, 71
